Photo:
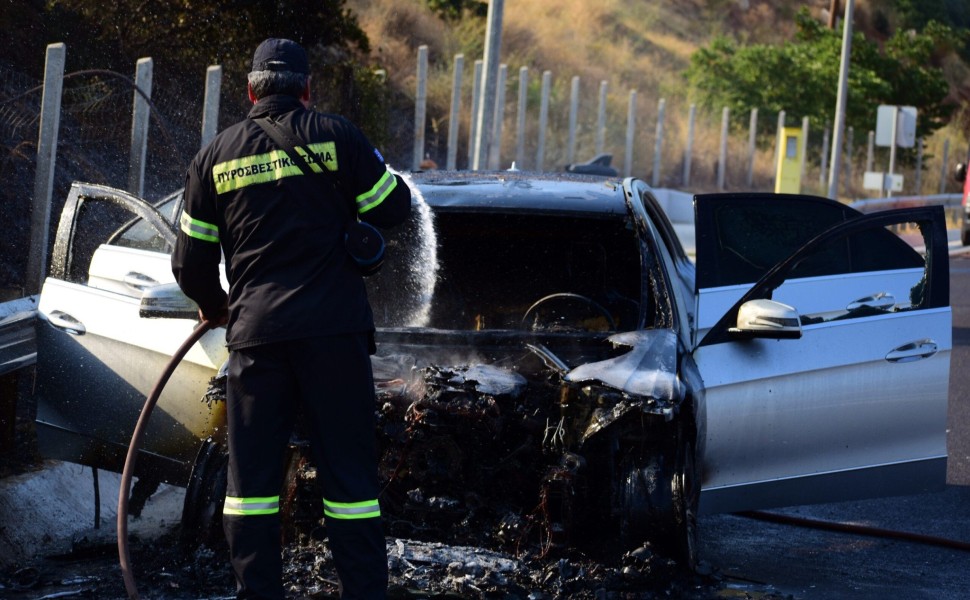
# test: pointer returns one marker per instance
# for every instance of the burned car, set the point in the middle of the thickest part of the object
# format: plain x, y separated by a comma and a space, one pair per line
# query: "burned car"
552, 367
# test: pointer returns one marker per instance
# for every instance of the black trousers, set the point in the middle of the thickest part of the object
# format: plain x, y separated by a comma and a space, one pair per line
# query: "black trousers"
330, 379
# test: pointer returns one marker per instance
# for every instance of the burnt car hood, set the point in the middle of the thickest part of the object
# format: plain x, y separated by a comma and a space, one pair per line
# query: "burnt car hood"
648, 369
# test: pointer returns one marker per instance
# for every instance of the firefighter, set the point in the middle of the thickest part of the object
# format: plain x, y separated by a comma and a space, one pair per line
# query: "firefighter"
298, 324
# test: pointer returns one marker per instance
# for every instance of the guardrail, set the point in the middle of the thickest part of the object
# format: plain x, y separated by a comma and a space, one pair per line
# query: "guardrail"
18, 338
949, 201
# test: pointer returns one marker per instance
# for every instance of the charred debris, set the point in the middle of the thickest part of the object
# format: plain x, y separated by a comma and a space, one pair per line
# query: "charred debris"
519, 452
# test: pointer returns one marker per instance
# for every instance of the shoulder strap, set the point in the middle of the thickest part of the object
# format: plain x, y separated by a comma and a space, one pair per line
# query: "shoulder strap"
288, 141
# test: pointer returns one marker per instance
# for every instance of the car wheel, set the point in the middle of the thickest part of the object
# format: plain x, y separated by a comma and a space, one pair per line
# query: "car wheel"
205, 496
686, 497
656, 499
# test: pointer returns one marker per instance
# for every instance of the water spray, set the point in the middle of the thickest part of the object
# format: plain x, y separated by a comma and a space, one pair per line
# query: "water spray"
424, 261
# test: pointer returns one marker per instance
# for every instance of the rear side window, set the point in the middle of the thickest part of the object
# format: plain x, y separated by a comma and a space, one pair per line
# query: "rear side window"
742, 237
139, 233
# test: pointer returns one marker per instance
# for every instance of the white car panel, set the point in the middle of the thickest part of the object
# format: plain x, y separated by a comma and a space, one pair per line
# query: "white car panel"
115, 317
128, 270
830, 400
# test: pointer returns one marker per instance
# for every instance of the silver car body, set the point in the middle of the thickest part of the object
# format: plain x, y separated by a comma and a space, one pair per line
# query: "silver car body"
854, 407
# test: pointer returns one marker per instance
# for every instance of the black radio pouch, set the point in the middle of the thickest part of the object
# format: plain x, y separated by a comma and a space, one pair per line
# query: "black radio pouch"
363, 241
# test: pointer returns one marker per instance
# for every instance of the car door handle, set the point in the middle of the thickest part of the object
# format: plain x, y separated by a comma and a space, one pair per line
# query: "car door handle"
138, 281
65, 322
913, 351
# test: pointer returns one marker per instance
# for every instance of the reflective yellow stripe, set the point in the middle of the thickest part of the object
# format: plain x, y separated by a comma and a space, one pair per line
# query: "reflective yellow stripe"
262, 168
198, 229
251, 506
250, 170
374, 196
368, 509
321, 153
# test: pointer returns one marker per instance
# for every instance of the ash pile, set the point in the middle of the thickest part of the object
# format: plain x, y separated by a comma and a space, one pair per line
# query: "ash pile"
494, 486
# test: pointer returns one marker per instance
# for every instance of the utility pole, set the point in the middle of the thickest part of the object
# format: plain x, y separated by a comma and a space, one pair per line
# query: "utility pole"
486, 109
840, 101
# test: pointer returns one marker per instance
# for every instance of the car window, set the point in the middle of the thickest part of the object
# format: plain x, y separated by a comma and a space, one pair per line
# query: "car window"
492, 267
94, 214
140, 234
743, 236
904, 281
95, 222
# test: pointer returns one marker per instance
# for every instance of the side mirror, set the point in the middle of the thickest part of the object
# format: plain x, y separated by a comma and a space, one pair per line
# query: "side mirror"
767, 319
960, 172
167, 301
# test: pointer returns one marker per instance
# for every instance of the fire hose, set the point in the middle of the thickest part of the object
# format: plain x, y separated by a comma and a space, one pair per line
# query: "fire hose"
133, 447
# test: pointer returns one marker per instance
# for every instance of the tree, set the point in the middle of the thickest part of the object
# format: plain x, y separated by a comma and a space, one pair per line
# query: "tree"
185, 36
801, 76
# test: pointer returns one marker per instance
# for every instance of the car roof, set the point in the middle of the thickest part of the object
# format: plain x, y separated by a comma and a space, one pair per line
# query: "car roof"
501, 191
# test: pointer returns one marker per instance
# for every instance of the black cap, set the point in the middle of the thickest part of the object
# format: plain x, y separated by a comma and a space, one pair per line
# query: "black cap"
277, 54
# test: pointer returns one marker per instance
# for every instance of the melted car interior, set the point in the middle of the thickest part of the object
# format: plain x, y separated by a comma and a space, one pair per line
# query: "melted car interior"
503, 270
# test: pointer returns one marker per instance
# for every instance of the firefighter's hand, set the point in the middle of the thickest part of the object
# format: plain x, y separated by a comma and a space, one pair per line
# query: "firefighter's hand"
216, 317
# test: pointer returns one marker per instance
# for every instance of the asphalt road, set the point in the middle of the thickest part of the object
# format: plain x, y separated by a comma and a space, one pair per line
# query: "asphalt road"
759, 558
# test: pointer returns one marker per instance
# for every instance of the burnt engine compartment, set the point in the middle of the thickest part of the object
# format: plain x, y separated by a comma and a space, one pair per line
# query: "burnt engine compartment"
506, 453
501, 449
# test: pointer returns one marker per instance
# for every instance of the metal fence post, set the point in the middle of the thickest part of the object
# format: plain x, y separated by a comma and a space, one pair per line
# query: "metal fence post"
658, 142
722, 156
752, 145
453, 120
847, 158
40, 216
779, 142
870, 150
210, 105
804, 151
520, 117
495, 148
140, 114
689, 149
631, 129
943, 167
476, 100
918, 183
420, 107
824, 158
573, 109
601, 119
543, 119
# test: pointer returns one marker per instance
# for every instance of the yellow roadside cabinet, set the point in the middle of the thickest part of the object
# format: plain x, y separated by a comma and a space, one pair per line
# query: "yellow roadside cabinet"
788, 177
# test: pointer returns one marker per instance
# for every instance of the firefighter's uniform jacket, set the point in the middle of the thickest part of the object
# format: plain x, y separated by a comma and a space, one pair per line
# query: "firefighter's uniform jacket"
282, 231
299, 328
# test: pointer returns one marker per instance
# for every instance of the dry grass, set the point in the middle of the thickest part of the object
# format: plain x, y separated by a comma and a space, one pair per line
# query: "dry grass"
630, 44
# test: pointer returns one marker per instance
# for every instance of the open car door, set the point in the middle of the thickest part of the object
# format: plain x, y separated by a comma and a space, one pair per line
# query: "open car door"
99, 359
827, 379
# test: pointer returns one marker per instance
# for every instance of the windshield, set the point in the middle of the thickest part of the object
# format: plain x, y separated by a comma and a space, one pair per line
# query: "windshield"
488, 269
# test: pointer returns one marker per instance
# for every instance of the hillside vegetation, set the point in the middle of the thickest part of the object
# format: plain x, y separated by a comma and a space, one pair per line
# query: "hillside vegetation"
641, 45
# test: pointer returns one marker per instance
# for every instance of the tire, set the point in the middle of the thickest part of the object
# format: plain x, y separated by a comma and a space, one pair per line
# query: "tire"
965, 236
686, 497
655, 498
204, 497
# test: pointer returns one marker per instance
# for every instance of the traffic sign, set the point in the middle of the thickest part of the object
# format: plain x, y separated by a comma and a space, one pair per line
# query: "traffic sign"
905, 126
